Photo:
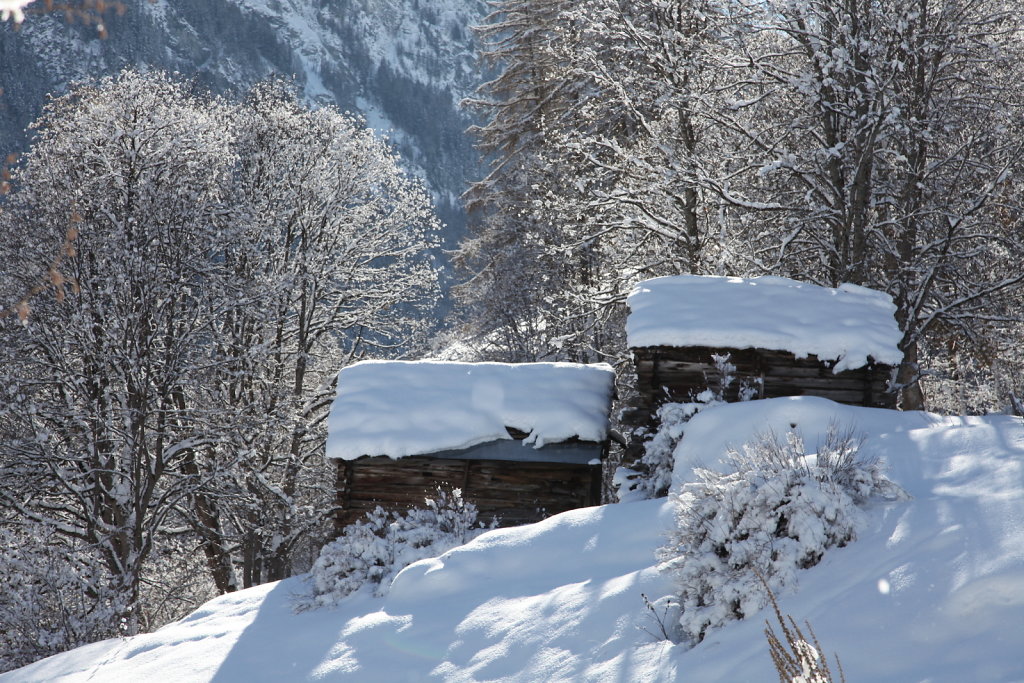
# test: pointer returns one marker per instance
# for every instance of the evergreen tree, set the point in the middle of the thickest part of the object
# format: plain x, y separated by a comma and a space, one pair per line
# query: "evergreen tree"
520, 261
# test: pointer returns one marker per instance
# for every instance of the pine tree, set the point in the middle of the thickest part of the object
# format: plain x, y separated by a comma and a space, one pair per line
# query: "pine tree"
520, 260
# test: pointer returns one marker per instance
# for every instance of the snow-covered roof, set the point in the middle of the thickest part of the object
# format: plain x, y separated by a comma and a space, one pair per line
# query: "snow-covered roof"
401, 408
848, 323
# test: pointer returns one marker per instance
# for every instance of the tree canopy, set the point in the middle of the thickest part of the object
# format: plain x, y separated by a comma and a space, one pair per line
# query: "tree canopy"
227, 259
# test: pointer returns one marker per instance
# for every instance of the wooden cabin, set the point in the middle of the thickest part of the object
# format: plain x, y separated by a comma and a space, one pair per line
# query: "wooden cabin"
522, 441
783, 337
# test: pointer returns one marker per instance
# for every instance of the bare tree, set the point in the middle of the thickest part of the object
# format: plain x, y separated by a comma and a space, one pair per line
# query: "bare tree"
93, 429
334, 238
889, 132
854, 141
228, 260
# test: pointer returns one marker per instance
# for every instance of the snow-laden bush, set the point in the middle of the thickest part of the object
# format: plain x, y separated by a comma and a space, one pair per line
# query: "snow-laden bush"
652, 474
371, 551
54, 596
778, 511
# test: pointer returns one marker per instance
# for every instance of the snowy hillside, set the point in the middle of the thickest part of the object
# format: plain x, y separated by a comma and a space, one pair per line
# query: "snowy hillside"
933, 589
403, 64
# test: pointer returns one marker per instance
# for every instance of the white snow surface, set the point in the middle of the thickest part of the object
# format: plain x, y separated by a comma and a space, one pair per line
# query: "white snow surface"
402, 408
932, 590
848, 323
12, 9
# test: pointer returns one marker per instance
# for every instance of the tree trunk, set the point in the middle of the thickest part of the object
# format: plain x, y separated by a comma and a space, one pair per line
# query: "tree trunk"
908, 379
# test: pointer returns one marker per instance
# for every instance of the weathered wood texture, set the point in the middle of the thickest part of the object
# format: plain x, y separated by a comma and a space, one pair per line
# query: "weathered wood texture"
678, 374
514, 492
668, 374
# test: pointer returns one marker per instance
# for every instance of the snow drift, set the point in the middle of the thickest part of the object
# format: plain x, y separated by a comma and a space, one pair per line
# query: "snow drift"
932, 590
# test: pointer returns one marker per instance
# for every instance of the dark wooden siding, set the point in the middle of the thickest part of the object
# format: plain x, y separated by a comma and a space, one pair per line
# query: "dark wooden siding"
668, 374
515, 492
678, 374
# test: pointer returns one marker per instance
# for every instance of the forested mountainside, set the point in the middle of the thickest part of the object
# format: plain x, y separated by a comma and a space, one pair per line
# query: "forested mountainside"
403, 64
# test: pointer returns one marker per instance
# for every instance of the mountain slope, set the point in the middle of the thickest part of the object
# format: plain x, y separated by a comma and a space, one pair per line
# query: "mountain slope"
404, 64
933, 589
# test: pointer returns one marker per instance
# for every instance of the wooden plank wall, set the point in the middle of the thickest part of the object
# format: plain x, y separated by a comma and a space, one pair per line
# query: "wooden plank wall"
515, 492
684, 372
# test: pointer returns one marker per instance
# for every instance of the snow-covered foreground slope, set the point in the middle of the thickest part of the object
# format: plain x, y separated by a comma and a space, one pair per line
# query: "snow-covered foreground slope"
538, 602
932, 591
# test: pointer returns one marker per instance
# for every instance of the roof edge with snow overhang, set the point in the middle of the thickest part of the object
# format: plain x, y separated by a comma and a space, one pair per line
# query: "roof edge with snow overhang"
849, 324
405, 408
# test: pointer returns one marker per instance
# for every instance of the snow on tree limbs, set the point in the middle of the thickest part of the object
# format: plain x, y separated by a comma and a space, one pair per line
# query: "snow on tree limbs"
228, 259
868, 142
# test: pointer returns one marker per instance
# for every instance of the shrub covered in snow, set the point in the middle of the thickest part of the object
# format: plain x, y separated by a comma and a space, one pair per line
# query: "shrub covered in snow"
777, 512
652, 475
373, 550
53, 597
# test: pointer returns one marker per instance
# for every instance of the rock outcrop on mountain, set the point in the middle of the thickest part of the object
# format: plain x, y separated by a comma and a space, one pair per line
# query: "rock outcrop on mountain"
402, 64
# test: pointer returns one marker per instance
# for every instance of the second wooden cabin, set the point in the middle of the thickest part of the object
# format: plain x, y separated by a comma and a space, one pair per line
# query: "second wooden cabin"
781, 337
522, 441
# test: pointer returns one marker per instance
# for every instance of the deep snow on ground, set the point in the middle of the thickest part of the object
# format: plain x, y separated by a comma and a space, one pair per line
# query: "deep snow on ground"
933, 590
